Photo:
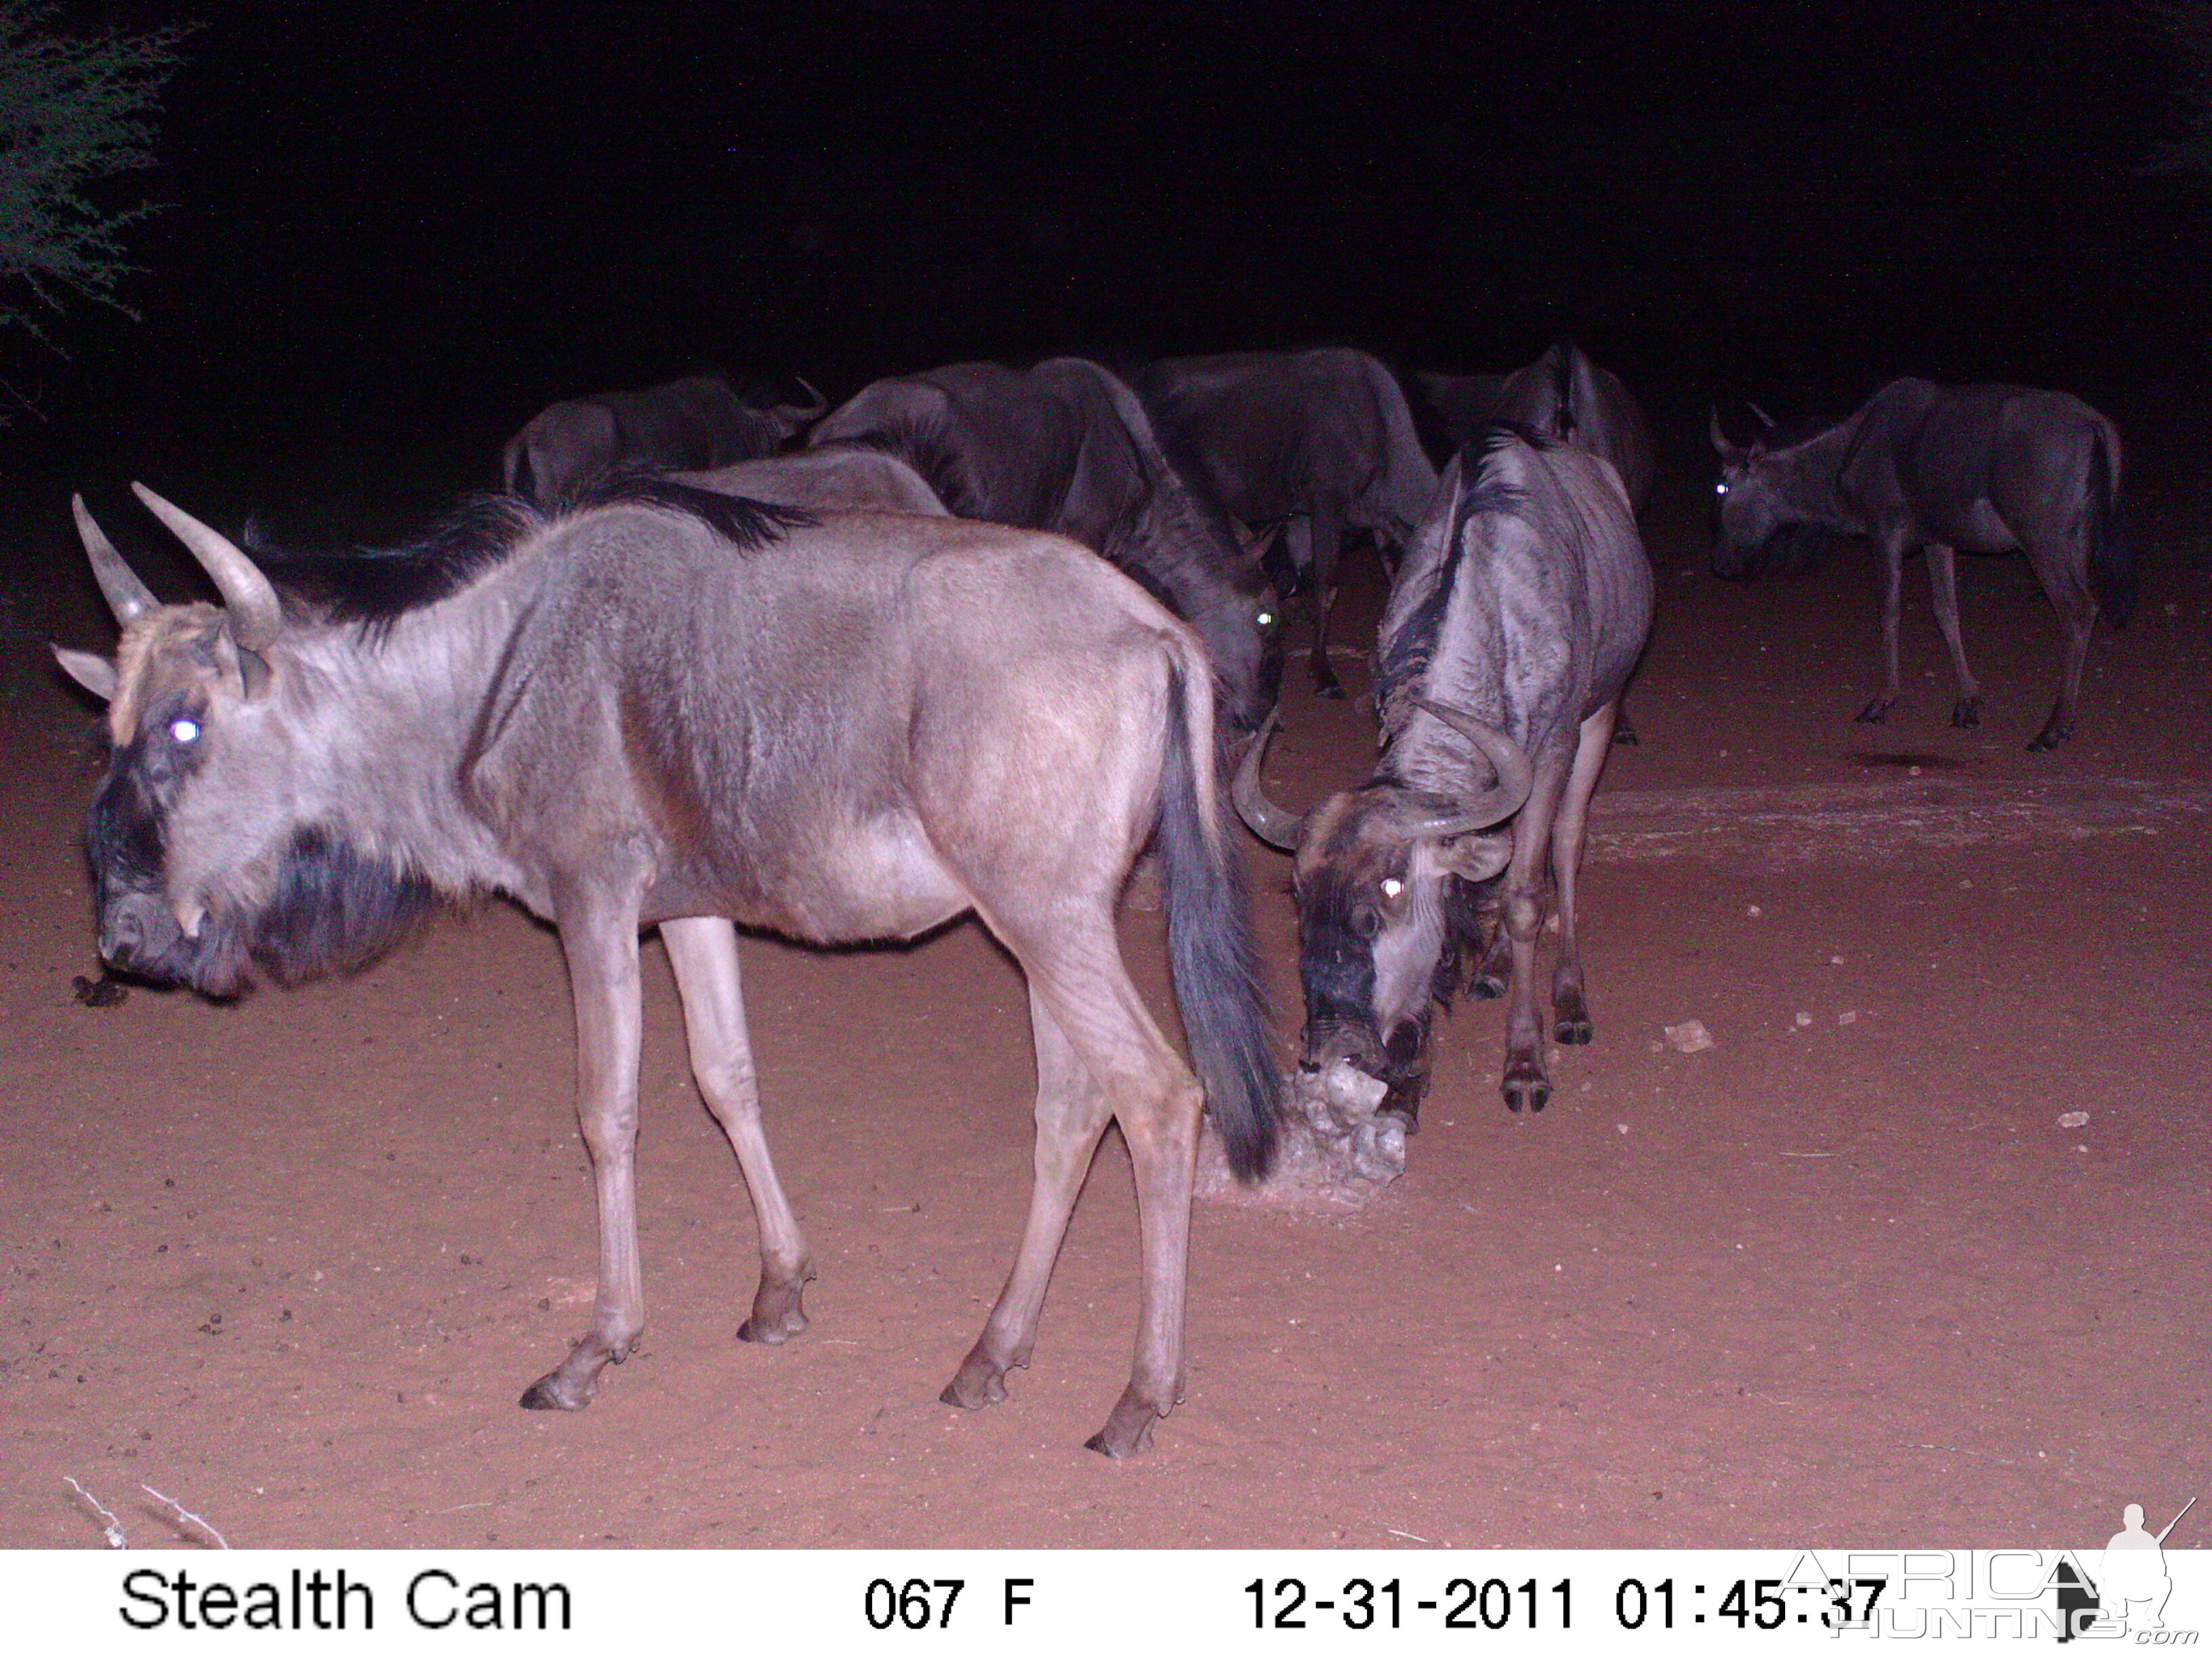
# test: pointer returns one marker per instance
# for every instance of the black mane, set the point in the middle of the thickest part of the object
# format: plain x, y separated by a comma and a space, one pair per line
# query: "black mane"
1403, 659
373, 587
745, 524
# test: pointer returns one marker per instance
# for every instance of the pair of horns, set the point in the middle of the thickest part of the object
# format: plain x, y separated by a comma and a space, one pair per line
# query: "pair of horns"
256, 614
1720, 438
1425, 818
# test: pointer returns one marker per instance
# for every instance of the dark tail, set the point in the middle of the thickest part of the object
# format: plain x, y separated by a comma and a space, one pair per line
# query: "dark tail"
520, 481
2111, 559
1565, 417
1210, 950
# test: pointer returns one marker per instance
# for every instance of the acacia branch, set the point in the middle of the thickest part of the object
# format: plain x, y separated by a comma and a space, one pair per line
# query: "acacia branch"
74, 110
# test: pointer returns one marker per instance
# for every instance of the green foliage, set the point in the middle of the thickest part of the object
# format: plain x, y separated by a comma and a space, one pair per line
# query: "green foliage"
74, 110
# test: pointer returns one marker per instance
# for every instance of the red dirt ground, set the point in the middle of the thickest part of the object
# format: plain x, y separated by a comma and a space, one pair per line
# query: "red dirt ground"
1842, 1282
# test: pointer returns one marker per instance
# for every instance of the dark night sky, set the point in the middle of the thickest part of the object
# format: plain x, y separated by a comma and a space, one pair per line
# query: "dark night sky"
411, 225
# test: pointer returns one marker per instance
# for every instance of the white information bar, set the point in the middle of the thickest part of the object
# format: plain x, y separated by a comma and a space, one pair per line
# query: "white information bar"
664, 1603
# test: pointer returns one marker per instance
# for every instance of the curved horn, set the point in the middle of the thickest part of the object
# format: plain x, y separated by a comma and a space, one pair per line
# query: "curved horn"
256, 614
1720, 438
126, 596
1280, 830
808, 412
1423, 817
1771, 423
1515, 776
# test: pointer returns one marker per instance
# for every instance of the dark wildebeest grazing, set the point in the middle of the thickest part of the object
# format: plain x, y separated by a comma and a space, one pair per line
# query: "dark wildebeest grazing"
839, 478
668, 707
1315, 442
1562, 395
1985, 468
1066, 446
698, 422
1509, 635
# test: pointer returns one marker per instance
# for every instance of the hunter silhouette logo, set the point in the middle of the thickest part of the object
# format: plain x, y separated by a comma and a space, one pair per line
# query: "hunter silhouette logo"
2129, 1591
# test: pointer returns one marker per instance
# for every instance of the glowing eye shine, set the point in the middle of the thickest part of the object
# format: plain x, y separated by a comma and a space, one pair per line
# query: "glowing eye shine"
1392, 887
1266, 616
1719, 487
185, 731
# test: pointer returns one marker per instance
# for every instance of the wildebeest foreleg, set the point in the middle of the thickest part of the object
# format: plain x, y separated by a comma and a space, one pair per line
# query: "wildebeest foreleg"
1891, 554
1943, 589
1526, 1081
1491, 974
599, 937
1071, 1114
703, 952
2077, 614
1569, 1010
1325, 528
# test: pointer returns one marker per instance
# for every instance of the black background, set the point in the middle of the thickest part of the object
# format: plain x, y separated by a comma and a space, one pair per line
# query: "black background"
395, 231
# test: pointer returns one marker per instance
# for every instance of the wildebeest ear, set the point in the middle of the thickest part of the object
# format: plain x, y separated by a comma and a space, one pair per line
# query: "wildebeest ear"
95, 674
252, 667
1471, 858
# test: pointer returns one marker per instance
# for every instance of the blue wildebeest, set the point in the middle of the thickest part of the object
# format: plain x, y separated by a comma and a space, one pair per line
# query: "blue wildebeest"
671, 707
1317, 442
1509, 633
1066, 446
1985, 468
836, 478
701, 421
1562, 395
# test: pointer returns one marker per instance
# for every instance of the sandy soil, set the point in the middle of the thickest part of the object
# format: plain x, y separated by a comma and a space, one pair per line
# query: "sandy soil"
1841, 1279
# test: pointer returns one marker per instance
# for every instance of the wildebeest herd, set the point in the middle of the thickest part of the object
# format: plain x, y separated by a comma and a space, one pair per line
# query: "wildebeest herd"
978, 639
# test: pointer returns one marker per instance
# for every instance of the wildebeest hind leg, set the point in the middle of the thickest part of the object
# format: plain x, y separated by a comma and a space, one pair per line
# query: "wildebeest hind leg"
1570, 1009
1071, 1113
1079, 978
1943, 591
2077, 614
599, 937
703, 952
